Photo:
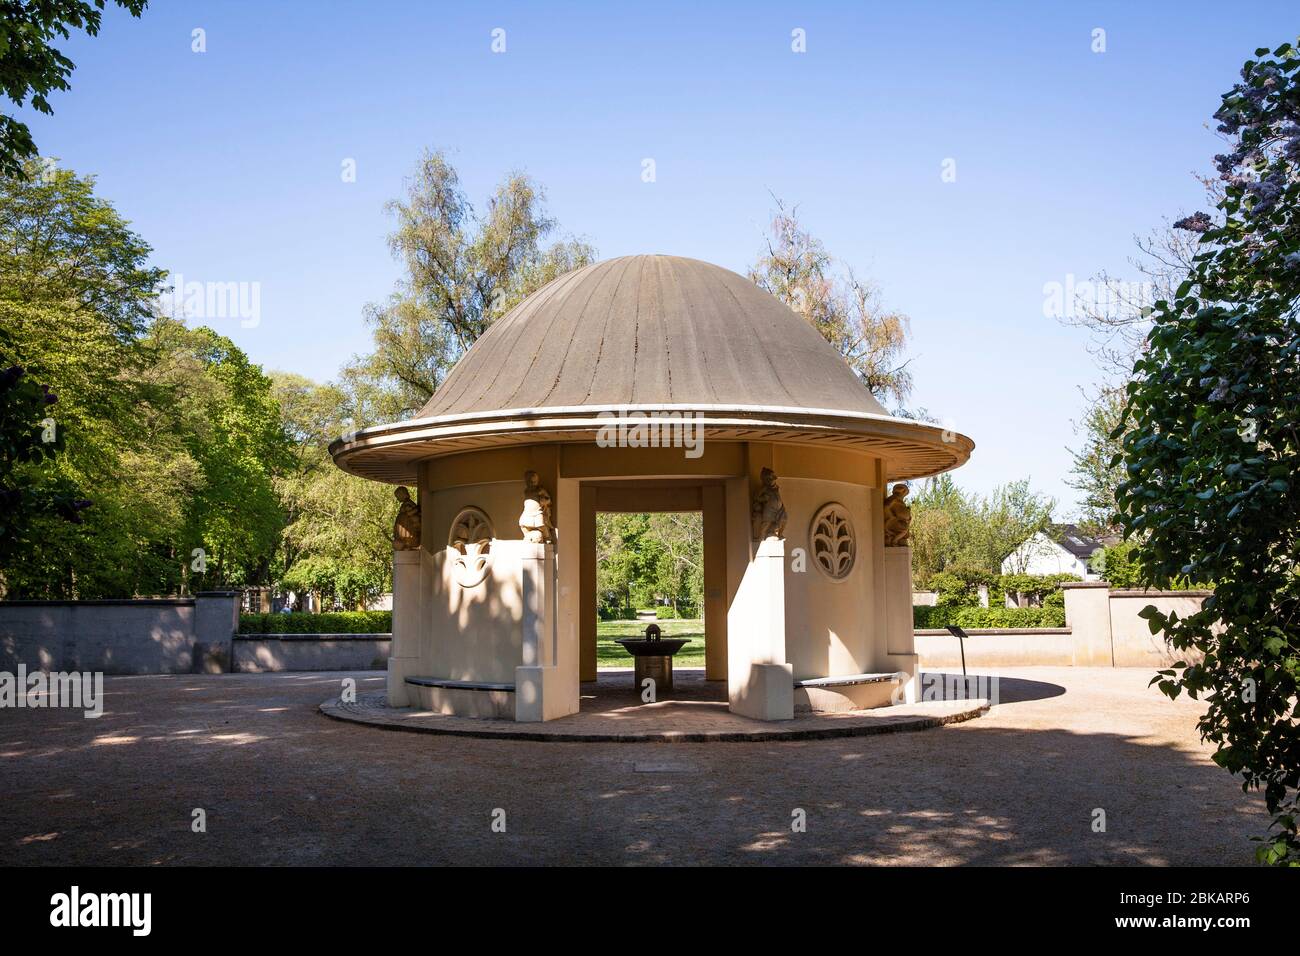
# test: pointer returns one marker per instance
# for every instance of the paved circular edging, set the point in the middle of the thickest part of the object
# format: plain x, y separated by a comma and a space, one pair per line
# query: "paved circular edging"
372, 710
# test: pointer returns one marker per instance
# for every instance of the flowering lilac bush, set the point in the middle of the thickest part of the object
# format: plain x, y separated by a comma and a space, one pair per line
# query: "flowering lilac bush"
1211, 449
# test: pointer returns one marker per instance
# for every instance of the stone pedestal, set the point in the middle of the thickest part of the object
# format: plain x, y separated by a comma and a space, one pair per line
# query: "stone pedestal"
657, 667
404, 658
760, 682
539, 691
900, 635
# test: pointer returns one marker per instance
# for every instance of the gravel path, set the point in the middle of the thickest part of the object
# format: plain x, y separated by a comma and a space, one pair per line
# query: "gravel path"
281, 784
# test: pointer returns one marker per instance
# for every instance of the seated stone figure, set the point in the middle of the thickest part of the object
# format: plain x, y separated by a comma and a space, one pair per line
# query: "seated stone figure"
535, 521
406, 527
767, 514
898, 517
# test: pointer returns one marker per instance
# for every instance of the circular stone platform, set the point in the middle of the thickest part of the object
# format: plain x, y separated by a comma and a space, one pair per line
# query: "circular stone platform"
612, 712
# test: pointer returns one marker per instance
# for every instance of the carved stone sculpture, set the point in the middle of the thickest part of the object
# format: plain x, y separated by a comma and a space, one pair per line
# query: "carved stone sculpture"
470, 539
834, 545
898, 518
406, 527
767, 513
535, 521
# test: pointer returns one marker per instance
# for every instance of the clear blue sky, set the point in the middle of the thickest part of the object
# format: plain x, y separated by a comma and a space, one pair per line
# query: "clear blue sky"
228, 162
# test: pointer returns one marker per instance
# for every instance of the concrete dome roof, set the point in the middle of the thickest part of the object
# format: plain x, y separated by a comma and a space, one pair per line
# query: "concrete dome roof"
649, 333
651, 330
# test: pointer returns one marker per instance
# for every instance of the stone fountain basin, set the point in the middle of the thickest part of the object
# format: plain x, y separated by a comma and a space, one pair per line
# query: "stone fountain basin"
664, 647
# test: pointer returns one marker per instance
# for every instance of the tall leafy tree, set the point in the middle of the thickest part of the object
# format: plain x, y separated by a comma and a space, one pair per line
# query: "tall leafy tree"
464, 269
30, 66
848, 312
1093, 472
336, 540
1211, 449
169, 432
970, 534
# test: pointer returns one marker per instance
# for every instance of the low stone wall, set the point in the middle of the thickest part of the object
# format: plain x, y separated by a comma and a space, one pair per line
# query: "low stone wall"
152, 636
1102, 629
998, 647
1109, 632
256, 653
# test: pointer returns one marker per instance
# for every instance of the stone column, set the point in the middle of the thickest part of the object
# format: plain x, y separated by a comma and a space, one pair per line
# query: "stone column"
1087, 614
760, 684
404, 655
216, 619
900, 637
538, 692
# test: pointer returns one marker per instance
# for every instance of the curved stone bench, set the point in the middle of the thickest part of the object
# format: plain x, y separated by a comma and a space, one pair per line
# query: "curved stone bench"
832, 695
466, 698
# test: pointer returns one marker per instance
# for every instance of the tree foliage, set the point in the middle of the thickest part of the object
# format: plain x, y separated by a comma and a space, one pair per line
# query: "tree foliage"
848, 312
967, 534
463, 270
648, 559
1094, 472
1211, 450
336, 540
30, 66
169, 432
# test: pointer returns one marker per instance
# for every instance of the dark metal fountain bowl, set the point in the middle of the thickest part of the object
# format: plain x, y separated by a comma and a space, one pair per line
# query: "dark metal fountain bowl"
663, 647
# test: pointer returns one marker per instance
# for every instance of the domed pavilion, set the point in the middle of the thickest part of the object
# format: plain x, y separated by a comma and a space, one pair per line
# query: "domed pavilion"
643, 384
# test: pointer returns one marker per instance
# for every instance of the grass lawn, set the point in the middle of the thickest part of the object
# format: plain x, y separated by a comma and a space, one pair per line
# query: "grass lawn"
609, 654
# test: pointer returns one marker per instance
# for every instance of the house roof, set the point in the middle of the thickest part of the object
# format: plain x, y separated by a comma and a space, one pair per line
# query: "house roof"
1069, 537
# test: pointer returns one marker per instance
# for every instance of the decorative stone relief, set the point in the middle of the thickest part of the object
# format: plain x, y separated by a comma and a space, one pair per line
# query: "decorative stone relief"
767, 513
406, 526
471, 539
898, 518
535, 521
834, 544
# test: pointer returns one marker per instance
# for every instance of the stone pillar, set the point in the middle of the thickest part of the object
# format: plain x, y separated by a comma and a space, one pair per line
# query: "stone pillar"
900, 636
536, 564
216, 619
760, 684
404, 656
1087, 615
539, 691
714, 611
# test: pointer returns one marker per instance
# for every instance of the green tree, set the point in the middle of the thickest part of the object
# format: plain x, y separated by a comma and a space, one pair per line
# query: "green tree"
1094, 473
31, 67
1211, 449
797, 269
28, 438
463, 270
336, 539
969, 535
169, 431
645, 559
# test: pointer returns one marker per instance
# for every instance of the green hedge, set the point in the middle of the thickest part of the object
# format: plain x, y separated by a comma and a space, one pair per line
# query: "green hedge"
341, 622
685, 613
972, 617
616, 613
